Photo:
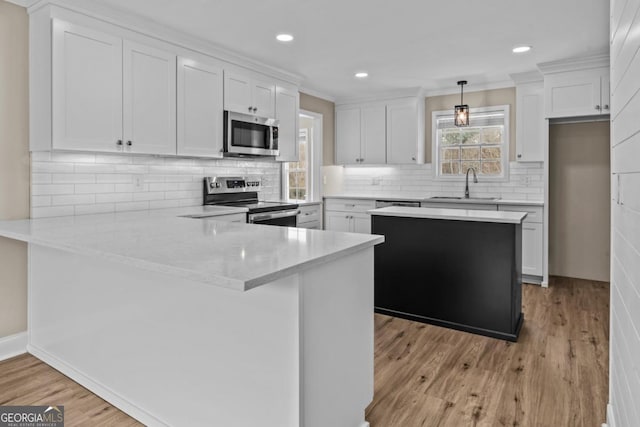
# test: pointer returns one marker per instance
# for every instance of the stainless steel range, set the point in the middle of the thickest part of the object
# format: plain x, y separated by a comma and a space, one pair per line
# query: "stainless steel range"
243, 192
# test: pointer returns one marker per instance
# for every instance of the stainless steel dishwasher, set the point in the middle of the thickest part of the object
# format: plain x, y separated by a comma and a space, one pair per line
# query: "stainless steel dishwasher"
405, 203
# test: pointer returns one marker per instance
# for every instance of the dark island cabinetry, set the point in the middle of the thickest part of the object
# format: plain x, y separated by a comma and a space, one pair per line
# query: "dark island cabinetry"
462, 274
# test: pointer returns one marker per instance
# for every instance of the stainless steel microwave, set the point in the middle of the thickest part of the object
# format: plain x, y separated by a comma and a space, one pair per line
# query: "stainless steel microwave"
248, 135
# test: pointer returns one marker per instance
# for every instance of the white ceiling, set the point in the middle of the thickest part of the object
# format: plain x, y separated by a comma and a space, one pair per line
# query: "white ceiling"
401, 43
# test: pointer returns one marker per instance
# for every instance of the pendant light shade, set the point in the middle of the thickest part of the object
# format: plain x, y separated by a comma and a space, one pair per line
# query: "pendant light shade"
461, 112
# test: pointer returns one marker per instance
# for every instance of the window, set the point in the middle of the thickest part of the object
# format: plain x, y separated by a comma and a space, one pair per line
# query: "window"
301, 179
483, 145
297, 176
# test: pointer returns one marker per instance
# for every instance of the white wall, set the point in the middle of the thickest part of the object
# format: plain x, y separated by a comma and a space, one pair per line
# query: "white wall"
624, 372
84, 183
525, 182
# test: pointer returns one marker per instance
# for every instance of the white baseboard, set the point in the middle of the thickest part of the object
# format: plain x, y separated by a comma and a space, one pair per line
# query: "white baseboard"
611, 421
13, 345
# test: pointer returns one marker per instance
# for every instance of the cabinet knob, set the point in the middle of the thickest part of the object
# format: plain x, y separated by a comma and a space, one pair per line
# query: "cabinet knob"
119, 142
606, 107
129, 143
255, 109
413, 158
597, 107
519, 156
250, 109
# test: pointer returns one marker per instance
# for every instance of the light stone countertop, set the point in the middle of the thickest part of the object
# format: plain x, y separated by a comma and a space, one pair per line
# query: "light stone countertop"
233, 255
430, 200
452, 214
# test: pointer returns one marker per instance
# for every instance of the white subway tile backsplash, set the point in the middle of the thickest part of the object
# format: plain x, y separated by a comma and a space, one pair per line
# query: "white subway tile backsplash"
69, 183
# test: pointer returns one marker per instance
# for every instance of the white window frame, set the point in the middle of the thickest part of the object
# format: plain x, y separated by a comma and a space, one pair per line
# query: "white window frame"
314, 162
435, 146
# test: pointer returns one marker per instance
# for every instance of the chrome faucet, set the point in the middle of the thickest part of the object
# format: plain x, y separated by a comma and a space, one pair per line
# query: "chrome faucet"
466, 186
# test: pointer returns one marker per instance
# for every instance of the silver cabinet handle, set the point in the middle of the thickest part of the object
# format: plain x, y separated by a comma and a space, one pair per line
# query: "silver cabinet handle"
255, 109
129, 143
119, 142
519, 156
597, 107
606, 107
250, 109
413, 158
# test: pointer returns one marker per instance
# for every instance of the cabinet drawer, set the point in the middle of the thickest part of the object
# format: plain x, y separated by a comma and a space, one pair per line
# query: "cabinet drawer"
534, 213
349, 205
309, 214
313, 225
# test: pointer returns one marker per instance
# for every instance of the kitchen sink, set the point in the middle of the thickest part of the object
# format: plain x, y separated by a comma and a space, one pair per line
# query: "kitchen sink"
462, 198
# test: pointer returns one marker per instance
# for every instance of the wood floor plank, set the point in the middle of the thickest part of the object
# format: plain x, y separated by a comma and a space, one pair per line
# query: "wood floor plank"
427, 376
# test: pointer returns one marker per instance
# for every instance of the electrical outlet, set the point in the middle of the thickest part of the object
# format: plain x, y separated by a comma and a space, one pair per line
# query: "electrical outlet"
376, 180
138, 182
324, 179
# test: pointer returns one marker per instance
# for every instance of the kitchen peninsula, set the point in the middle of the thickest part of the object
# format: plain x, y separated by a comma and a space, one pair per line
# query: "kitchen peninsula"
456, 268
183, 321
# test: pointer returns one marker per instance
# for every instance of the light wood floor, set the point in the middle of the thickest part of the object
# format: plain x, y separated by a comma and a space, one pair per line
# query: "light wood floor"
556, 375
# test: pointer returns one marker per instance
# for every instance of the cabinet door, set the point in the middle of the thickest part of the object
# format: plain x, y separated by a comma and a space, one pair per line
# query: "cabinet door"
530, 123
337, 221
263, 98
200, 113
532, 249
361, 223
573, 94
348, 136
149, 89
605, 92
287, 115
86, 89
402, 132
373, 142
237, 92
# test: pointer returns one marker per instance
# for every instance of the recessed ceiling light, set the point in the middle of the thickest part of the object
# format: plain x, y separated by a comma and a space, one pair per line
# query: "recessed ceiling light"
361, 75
521, 49
284, 37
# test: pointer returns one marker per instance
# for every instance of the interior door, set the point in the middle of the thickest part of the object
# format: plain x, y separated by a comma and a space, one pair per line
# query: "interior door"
149, 100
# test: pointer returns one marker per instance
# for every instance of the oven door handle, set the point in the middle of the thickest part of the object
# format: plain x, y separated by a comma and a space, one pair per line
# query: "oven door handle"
268, 216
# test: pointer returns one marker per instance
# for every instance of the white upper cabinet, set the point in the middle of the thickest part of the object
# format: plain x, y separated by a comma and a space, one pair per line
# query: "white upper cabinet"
199, 108
384, 132
360, 134
149, 89
287, 107
372, 142
404, 138
347, 135
531, 126
86, 89
250, 95
577, 93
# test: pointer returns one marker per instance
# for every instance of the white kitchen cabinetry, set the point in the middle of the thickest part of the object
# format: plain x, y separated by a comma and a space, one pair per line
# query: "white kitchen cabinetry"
349, 215
577, 93
111, 95
249, 94
149, 88
381, 132
310, 216
287, 107
532, 238
199, 108
403, 130
86, 89
360, 131
531, 126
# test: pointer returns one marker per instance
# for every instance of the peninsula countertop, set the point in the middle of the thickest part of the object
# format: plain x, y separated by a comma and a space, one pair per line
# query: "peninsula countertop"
233, 255
452, 214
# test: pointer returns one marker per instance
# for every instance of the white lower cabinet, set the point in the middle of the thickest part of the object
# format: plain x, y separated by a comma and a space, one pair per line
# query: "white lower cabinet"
310, 216
532, 238
349, 215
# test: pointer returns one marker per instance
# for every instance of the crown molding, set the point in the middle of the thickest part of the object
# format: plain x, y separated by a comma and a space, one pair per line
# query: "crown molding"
24, 3
597, 60
146, 27
316, 94
468, 89
527, 77
382, 96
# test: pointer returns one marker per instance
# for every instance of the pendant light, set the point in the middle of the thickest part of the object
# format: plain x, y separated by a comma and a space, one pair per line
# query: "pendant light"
461, 112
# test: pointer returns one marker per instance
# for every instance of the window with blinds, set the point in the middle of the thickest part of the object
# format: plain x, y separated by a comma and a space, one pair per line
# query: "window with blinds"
483, 145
